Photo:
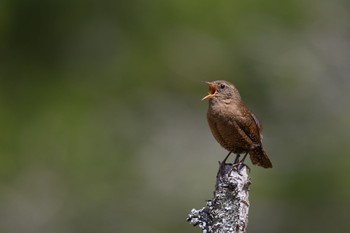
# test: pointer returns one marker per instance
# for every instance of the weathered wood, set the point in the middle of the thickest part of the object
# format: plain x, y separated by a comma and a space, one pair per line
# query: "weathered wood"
227, 212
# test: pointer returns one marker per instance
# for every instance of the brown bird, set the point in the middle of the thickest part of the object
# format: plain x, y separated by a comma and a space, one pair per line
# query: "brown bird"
233, 125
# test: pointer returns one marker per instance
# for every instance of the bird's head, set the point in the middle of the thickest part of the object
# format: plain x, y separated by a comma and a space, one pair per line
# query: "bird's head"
221, 90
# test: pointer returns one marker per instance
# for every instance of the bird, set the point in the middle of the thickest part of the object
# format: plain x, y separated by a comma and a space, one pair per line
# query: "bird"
233, 125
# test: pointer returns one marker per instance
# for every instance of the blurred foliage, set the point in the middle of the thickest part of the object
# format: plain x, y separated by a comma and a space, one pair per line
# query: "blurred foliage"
103, 130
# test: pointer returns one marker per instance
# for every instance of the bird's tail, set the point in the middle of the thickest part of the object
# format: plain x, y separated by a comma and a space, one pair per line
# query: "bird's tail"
259, 157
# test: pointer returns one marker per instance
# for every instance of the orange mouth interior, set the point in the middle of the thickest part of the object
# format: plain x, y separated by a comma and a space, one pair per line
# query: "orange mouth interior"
212, 89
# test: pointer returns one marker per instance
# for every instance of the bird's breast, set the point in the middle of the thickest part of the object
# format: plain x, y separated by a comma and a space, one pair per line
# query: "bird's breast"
226, 131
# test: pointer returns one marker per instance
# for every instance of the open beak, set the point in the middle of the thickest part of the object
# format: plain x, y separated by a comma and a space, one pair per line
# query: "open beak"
212, 91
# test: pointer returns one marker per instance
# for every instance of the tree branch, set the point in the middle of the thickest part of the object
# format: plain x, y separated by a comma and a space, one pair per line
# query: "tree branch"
228, 210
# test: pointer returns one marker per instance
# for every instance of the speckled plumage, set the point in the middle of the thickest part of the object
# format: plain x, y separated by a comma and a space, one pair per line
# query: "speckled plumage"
233, 125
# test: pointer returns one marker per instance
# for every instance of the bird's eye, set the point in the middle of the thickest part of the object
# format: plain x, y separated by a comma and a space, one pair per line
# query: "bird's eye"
222, 86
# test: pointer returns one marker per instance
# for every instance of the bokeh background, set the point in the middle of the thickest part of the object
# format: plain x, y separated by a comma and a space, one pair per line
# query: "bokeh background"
103, 130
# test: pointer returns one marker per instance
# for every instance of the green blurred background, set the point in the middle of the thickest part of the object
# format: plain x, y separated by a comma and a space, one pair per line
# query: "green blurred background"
103, 130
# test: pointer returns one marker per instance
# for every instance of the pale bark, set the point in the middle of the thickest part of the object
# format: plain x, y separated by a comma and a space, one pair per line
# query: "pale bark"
227, 212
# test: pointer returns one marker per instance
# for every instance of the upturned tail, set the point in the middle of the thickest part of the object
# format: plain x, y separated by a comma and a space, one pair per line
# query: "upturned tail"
260, 158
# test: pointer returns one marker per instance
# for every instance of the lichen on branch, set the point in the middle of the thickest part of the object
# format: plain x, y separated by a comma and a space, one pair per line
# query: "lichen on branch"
227, 212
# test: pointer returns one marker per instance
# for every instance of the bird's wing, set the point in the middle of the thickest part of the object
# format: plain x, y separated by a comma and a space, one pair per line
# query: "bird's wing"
251, 127
257, 122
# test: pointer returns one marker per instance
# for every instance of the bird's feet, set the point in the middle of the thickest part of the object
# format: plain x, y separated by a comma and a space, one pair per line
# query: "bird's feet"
237, 164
